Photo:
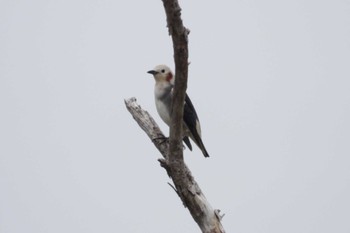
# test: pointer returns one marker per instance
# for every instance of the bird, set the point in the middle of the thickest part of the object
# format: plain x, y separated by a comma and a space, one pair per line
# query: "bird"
163, 93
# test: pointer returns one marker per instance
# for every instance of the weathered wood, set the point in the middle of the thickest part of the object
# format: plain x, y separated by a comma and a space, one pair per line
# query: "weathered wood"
179, 34
186, 187
147, 123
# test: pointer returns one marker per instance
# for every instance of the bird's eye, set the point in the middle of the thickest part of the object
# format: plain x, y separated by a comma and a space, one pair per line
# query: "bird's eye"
163, 71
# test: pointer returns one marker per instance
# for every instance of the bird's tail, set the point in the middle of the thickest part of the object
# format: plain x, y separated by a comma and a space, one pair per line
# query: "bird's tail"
204, 151
187, 142
198, 140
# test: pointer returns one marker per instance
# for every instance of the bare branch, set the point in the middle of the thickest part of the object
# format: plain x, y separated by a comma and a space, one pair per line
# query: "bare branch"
186, 187
204, 215
179, 36
147, 123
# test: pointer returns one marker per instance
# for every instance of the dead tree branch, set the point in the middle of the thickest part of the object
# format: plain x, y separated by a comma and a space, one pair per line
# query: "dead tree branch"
186, 187
180, 44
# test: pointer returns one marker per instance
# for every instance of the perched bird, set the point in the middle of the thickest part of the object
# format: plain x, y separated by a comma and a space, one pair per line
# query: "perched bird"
163, 92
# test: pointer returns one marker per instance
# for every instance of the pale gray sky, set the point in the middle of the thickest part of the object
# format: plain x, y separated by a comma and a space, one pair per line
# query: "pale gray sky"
270, 81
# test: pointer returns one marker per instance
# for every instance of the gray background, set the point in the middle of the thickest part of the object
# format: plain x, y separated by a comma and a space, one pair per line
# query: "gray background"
270, 81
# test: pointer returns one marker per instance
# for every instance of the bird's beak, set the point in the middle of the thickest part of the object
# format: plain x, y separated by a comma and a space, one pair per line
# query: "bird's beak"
152, 72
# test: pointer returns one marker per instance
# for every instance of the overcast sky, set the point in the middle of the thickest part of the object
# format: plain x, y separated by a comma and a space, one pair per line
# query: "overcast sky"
271, 84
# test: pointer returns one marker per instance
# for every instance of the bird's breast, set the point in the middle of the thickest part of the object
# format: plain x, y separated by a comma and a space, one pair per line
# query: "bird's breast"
163, 110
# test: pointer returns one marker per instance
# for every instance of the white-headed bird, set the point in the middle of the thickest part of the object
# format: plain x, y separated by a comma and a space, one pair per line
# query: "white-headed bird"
163, 92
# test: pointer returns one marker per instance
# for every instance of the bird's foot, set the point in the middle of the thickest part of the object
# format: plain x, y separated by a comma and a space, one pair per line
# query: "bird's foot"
162, 139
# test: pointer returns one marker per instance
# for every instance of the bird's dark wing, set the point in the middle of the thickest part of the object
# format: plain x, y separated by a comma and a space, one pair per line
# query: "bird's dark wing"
190, 116
192, 122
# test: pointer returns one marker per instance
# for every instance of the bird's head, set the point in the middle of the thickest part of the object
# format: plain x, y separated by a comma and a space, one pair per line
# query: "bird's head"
162, 73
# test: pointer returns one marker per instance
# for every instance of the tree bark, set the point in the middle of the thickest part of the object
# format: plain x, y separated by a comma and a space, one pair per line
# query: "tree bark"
180, 45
